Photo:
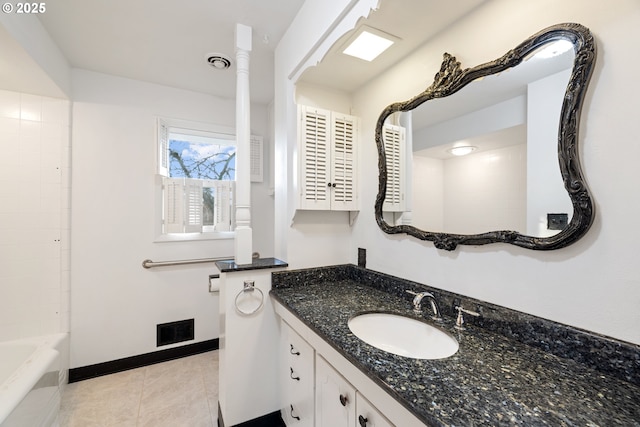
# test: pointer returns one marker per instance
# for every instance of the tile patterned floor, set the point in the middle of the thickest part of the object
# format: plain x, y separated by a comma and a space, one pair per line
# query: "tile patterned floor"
177, 393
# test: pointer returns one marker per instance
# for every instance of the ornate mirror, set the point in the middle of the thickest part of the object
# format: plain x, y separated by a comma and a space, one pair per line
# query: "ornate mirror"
518, 116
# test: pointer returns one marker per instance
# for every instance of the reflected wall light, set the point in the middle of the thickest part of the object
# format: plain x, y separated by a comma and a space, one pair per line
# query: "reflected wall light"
462, 150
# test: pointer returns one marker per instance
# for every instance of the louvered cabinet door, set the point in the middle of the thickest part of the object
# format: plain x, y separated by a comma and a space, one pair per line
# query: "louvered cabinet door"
314, 136
343, 162
394, 148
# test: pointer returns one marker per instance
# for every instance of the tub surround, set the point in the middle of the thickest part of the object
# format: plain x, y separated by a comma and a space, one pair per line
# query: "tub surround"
511, 368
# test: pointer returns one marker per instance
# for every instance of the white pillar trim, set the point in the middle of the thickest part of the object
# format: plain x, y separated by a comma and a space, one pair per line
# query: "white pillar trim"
243, 233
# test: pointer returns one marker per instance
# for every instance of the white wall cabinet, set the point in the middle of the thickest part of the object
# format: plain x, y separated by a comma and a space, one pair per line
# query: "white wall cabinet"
328, 160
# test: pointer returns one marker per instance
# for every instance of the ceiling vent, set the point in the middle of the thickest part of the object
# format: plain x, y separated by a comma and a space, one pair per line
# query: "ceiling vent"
219, 61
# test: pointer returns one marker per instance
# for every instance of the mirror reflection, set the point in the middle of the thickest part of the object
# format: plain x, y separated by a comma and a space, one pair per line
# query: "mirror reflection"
485, 158
516, 120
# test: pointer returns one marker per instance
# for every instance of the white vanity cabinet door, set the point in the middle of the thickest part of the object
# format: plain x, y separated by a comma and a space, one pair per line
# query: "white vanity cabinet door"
335, 397
297, 379
367, 415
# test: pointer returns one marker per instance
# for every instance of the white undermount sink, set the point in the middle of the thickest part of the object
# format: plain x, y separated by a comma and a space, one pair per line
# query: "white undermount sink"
403, 336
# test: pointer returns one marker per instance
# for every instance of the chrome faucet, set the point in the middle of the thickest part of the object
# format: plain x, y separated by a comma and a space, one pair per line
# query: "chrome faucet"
417, 302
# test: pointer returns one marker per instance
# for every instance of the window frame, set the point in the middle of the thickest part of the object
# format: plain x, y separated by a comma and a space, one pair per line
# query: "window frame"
163, 124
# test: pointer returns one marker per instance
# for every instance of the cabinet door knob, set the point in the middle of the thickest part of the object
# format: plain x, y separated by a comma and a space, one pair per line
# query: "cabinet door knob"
293, 416
344, 400
363, 421
292, 377
296, 353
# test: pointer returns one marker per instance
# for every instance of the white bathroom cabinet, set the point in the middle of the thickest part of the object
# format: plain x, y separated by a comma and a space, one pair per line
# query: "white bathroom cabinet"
297, 379
335, 381
339, 404
328, 143
368, 415
335, 397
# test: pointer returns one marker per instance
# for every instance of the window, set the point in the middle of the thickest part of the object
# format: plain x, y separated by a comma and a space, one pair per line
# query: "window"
199, 185
197, 169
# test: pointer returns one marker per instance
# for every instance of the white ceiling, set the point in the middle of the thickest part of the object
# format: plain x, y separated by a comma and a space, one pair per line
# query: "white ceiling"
166, 41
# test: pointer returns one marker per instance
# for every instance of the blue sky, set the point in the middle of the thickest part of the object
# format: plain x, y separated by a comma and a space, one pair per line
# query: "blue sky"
205, 161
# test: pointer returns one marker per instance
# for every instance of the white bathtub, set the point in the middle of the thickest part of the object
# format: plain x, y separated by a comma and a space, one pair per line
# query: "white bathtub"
31, 372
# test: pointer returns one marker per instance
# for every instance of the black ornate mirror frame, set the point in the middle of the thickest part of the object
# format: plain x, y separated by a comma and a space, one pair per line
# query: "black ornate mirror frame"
451, 78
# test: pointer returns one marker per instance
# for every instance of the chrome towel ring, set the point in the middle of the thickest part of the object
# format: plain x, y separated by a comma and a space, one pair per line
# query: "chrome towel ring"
249, 288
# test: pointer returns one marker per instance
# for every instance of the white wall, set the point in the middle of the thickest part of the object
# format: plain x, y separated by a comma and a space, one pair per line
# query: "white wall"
116, 304
545, 192
34, 215
427, 201
593, 284
315, 238
485, 191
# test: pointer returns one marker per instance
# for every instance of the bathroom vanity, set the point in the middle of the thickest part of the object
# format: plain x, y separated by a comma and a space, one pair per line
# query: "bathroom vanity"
510, 369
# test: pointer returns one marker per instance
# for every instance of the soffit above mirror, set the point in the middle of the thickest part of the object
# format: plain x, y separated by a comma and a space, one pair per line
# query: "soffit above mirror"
412, 22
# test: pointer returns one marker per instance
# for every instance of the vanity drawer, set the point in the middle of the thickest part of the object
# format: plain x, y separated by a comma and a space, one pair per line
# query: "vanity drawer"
296, 349
297, 378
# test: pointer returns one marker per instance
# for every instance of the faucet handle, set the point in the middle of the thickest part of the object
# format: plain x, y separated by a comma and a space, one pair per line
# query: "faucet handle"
460, 319
416, 301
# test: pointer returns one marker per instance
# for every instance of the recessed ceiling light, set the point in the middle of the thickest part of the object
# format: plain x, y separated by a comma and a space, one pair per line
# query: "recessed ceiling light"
462, 150
368, 43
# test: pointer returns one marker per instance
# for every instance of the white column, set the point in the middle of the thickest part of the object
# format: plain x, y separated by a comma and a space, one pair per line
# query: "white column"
243, 237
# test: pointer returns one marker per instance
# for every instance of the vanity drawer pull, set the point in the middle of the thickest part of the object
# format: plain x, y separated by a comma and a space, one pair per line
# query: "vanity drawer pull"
295, 353
362, 421
344, 400
293, 416
292, 377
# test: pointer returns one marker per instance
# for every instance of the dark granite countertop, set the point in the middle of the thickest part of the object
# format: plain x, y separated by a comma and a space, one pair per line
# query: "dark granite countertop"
230, 266
492, 380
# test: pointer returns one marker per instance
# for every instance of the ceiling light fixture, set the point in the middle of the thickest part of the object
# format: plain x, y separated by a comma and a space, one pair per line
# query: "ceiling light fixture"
368, 43
462, 150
